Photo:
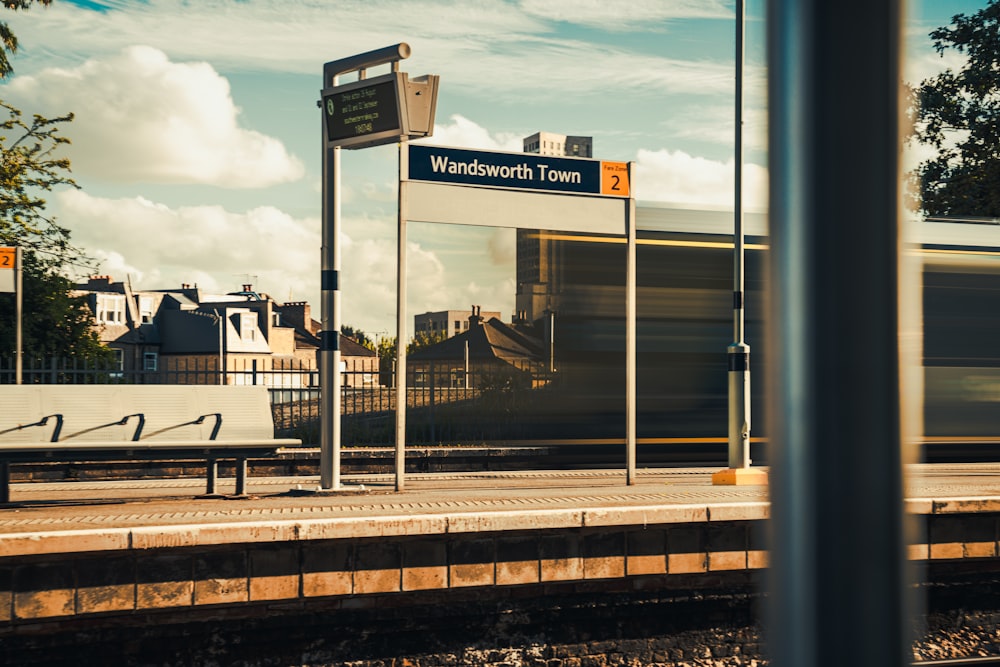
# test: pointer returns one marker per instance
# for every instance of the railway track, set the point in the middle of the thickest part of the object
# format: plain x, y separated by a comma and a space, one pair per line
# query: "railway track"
959, 662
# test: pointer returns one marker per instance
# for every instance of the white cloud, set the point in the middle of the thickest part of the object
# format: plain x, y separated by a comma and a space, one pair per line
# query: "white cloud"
502, 247
923, 64
142, 118
715, 124
679, 178
162, 247
461, 37
464, 133
614, 16
369, 285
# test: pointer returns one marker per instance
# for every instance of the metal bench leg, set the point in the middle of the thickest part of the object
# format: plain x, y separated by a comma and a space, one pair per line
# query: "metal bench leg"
4, 482
212, 476
241, 477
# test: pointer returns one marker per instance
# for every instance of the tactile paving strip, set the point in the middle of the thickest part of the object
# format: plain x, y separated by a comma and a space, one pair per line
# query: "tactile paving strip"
81, 516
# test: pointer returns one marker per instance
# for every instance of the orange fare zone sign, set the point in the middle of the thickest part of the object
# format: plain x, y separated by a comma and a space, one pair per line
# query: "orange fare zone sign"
614, 179
8, 257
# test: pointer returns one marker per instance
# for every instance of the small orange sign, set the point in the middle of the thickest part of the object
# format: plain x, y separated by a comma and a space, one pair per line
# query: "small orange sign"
614, 179
8, 258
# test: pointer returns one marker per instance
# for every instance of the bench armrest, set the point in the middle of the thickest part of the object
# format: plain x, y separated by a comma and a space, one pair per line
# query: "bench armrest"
42, 422
218, 423
138, 428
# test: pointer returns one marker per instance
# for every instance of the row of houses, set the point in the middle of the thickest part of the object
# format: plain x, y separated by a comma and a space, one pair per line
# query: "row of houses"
191, 335
190, 332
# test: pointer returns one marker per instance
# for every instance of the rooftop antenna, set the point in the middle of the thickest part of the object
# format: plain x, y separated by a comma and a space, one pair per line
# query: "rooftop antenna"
248, 279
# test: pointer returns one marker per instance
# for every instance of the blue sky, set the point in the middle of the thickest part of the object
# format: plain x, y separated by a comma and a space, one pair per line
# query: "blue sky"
197, 137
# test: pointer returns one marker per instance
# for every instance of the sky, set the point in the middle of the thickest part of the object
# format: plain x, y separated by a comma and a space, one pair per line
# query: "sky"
197, 140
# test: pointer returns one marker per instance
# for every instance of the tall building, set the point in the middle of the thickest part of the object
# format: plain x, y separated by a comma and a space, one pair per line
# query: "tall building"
451, 322
550, 143
538, 258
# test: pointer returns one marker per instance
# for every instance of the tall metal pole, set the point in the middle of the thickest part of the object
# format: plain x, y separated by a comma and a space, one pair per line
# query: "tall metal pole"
18, 315
630, 338
404, 175
329, 351
838, 562
738, 353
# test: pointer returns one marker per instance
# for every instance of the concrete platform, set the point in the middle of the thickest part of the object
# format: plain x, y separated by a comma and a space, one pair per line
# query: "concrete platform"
431, 503
79, 549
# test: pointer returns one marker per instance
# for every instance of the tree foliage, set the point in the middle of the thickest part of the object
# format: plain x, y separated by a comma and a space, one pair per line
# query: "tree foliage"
55, 321
425, 339
30, 167
358, 336
8, 41
958, 113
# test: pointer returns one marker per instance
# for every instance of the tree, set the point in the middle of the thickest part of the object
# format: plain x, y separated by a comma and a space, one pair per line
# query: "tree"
7, 39
425, 339
56, 322
358, 336
958, 113
32, 166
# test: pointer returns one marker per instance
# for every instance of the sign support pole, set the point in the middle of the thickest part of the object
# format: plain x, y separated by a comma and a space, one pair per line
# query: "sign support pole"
630, 338
329, 351
404, 175
19, 316
329, 335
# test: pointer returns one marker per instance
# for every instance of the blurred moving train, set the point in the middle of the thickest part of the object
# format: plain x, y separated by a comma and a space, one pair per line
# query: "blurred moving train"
684, 324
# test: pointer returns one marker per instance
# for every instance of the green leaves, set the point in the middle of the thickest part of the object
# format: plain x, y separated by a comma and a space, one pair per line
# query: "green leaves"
30, 166
958, 113
8, 42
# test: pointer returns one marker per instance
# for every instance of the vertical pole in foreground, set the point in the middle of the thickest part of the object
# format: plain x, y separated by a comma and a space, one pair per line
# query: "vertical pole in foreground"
19, 315
738, 353
329, 350
838, 563
404, 175
630, 337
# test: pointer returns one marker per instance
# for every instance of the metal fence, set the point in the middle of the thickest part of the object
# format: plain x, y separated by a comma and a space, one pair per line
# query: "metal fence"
445, 403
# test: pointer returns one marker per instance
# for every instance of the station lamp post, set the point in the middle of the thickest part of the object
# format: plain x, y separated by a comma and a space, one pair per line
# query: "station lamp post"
739, 471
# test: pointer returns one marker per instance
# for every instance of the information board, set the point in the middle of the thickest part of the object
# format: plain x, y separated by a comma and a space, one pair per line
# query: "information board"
365, 113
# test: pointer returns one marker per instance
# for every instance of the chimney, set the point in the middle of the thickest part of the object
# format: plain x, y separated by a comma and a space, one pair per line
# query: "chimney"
297, 314
475, 319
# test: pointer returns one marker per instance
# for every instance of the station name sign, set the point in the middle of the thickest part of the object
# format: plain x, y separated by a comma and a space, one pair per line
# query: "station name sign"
528, 171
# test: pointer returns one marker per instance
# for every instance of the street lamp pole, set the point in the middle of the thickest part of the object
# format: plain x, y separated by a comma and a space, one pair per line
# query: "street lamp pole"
738, 353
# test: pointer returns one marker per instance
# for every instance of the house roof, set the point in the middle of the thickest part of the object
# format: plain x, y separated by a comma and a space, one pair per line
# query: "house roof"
351, 348
492, 340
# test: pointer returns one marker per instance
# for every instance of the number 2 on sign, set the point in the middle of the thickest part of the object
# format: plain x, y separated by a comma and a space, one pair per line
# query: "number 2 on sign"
7, 256
614, 179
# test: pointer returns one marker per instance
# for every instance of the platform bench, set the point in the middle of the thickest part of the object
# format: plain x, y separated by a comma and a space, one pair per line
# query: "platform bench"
76, 423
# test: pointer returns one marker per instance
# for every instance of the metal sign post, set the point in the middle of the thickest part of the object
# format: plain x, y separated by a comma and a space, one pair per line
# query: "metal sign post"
358, 114
630, 341
401, 394
12, 280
